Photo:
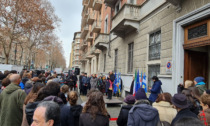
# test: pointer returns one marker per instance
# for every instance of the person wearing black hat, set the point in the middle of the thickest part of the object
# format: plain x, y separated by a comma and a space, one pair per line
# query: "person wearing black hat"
142, 113
180, 103
123, 116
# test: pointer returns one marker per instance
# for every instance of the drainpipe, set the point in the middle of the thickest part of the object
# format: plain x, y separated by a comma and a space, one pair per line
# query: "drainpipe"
109, 50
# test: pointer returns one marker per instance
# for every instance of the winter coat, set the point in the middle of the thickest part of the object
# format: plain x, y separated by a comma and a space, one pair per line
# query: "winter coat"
84, 80
205, 115
165, 110
100, 120
201, 87
11, 105
155, 90
182, 114
93, 82
143, 115
76, 111
131, 88
112, 77
80, 81
123, 116
107, 85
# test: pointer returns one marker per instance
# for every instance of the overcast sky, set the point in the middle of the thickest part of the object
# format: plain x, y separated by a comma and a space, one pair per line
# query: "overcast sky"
69, 11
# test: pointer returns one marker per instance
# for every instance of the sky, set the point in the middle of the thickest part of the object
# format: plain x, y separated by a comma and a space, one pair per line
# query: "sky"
69, 11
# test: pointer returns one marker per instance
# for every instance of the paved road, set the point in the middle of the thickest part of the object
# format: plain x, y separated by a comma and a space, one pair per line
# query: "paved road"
113, 110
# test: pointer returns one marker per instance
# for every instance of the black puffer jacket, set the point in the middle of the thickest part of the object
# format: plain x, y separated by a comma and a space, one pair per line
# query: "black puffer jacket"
76, 111
123, 116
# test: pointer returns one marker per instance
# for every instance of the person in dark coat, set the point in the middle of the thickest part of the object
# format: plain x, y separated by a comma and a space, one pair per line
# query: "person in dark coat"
180, 103
80, 83
85, 85
155, 90
109, 86
94, 112
75, 79
142, 113
112, 76
75, 109
88, 82
123, 116
131, 88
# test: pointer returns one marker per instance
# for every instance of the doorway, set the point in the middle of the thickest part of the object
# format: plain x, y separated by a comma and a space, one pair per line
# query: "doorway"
196, 64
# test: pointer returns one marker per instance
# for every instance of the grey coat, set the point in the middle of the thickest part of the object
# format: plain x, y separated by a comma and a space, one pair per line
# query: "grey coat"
93, 82
143, 115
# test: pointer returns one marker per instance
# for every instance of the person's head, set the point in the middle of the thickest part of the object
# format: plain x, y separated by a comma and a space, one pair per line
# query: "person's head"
13, 71
188, 83
205, 101
26, 75
47, 113
111, 72
72, 98
198, 80
188, 94
5, 82
91, 91
140, 94
15, 79
33, 93
65, 89
85, 74
155, 78
52, 88
188, 121
6, 72
130, 99
195, 92
95, 104
179, 101
164, 97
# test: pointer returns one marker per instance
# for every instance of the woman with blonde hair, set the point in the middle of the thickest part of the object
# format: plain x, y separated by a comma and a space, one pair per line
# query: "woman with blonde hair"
94, 113
187, 84
75, 109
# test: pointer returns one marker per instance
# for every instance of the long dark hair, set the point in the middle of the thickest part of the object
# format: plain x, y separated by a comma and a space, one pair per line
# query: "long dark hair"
95, 105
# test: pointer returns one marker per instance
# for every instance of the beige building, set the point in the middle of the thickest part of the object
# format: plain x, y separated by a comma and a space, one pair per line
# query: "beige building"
167, 38
75, 51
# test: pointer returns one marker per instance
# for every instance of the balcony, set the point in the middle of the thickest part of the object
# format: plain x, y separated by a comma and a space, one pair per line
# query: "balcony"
94, 51
126, 20
83, 45
76, 54
96, 27
97, 4
90, 18
101, 42
89, 37
110, 3
88, 55
84, 31
85, 2
90, 3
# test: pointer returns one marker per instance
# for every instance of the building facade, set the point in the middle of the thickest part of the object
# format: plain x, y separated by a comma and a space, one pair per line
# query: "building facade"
166, 38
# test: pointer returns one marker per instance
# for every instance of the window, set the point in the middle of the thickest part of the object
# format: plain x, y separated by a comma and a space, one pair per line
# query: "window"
117, 7
106, 25
104, 62
130, 58
132, 1
115, 60
153, 70
155, 46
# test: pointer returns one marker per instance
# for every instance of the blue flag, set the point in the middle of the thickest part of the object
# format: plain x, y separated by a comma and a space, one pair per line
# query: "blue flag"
144, 83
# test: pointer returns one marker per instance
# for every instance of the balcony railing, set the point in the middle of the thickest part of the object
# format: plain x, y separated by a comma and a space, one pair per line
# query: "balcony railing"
101, 42
83, 45
97, 4
94, 51
96, 27
84, 31
90, 18
89, 37
126, 20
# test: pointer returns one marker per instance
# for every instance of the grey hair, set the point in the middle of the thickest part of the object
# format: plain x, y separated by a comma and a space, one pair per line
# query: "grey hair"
52, 111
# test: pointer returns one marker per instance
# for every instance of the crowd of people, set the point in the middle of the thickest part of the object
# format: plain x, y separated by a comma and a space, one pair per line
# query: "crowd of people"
39, 98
